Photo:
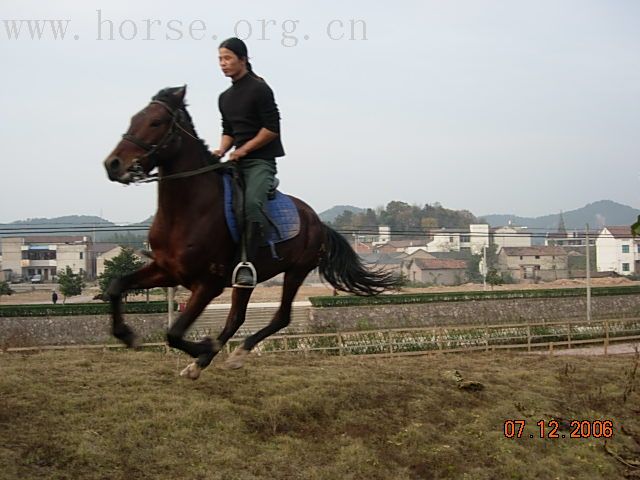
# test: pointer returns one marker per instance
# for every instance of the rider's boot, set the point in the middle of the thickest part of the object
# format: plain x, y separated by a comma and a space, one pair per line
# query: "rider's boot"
245, 275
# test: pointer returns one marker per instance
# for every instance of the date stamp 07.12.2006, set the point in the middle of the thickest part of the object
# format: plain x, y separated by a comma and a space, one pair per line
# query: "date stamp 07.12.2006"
559, 429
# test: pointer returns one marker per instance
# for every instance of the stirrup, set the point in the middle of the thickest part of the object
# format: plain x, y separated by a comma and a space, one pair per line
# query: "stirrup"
239, 268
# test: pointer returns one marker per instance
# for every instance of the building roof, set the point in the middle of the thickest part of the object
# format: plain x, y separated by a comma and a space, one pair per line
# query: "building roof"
55, 239
420, 253
407, 243
100, 248
532, 251
574, 234
439, 264
464, 255
619, 231
382, 258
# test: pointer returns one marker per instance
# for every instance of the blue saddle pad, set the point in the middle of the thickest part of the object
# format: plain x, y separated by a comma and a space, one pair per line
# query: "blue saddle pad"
281, 210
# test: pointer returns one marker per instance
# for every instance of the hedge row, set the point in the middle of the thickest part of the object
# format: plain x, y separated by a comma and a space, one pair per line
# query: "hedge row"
79, 309
392, 299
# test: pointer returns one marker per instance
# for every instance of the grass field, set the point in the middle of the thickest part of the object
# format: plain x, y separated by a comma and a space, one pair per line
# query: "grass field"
127, 415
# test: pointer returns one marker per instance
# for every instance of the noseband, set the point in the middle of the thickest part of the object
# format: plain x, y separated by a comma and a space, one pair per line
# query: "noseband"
152, 149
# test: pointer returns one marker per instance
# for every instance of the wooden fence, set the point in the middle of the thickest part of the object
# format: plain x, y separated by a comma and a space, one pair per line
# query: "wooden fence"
530, 337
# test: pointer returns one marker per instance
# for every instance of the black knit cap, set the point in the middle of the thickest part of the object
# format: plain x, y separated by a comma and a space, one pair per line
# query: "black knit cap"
236, 45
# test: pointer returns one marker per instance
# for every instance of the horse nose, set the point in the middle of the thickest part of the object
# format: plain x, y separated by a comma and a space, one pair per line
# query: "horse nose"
114, 164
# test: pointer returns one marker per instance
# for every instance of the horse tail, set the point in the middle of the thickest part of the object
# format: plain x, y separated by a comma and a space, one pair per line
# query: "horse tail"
342, 268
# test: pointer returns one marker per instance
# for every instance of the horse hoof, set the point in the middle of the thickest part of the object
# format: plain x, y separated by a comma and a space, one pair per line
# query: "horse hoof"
127, 336
236, 359
192, 371
134, 342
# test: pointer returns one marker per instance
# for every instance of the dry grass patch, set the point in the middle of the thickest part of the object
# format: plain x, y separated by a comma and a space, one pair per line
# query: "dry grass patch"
123, 415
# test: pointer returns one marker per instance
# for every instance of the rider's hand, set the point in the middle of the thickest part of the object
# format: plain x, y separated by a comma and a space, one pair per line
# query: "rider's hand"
237, 154
218, 153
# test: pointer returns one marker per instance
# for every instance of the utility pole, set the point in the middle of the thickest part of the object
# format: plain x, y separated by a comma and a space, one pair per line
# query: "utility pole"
170, 293
588, 276
485, 268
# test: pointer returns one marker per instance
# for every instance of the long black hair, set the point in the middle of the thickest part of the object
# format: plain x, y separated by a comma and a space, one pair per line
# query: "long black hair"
238, 47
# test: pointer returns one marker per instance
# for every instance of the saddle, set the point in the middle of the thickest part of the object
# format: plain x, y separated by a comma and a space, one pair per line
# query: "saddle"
281, 213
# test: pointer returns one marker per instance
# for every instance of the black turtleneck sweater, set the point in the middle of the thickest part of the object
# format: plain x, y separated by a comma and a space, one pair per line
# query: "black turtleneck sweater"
246, 107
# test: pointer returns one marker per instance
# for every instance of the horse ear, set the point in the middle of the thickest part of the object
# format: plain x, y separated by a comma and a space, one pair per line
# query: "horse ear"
180, 92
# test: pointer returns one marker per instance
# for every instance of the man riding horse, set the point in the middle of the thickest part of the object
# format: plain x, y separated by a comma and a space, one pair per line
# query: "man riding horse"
251, 124
193, 238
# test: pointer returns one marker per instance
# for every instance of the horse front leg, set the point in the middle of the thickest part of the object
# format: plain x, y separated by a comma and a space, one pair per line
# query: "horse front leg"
202, 294
149, 276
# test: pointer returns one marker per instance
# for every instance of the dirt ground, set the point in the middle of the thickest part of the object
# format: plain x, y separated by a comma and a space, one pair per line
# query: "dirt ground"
272, 293
97, 415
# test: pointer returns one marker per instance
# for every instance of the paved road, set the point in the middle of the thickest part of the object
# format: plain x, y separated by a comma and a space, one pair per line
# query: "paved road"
615, 349
77, 299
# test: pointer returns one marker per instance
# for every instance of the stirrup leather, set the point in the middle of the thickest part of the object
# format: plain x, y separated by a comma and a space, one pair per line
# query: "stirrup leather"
236, 271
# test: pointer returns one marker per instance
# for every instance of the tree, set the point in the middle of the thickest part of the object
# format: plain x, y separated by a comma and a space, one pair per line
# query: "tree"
71, 284
344, 220
124, 263
494, 278
473, 269
5, 289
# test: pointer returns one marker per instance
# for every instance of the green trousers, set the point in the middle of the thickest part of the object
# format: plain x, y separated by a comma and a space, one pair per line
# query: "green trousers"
259, 177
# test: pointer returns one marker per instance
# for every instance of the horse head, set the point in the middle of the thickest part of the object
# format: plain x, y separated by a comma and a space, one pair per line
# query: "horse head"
153, 136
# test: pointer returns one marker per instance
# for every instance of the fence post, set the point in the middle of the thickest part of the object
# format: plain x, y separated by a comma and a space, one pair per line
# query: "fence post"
606, 336
170, 298
439, 339
340, 345
286, 345
569, 336
486, 338
550, 348
390, 342
528, 337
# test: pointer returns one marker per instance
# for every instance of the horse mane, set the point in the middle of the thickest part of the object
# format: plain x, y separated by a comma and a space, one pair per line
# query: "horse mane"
167, 95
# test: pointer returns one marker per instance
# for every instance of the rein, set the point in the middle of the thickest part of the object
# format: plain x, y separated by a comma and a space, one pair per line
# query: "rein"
189, 173
151, 149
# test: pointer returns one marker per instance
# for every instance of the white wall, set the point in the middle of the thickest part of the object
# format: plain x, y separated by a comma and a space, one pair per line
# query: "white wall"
479, 238
70, 255
444, 242
512, 237
609, 256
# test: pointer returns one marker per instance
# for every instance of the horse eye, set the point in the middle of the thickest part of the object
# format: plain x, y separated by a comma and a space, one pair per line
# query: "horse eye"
156, 123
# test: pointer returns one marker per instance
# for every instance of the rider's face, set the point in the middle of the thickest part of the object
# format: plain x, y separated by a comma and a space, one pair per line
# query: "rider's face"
229, 62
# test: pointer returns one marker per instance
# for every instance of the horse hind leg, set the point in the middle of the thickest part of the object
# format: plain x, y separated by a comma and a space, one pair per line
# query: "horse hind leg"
293, 279
237, 313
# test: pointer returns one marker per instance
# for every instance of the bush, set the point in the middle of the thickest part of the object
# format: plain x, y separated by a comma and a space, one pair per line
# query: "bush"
79, 309
5, 289
352, 300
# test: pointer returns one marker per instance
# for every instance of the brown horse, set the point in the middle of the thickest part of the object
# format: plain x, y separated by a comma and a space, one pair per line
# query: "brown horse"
192, 245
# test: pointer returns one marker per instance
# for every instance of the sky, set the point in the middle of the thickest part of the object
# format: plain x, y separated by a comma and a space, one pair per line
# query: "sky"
517, 107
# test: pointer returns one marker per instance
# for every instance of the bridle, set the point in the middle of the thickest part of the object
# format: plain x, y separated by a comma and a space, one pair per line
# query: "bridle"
137, 173
153, 149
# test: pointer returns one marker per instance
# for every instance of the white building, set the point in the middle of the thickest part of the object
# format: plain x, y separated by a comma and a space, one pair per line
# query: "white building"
573, 238
511, 236
105, 251
617, 251
479, 238
473, 239
444, 241
384, 235
46, 255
